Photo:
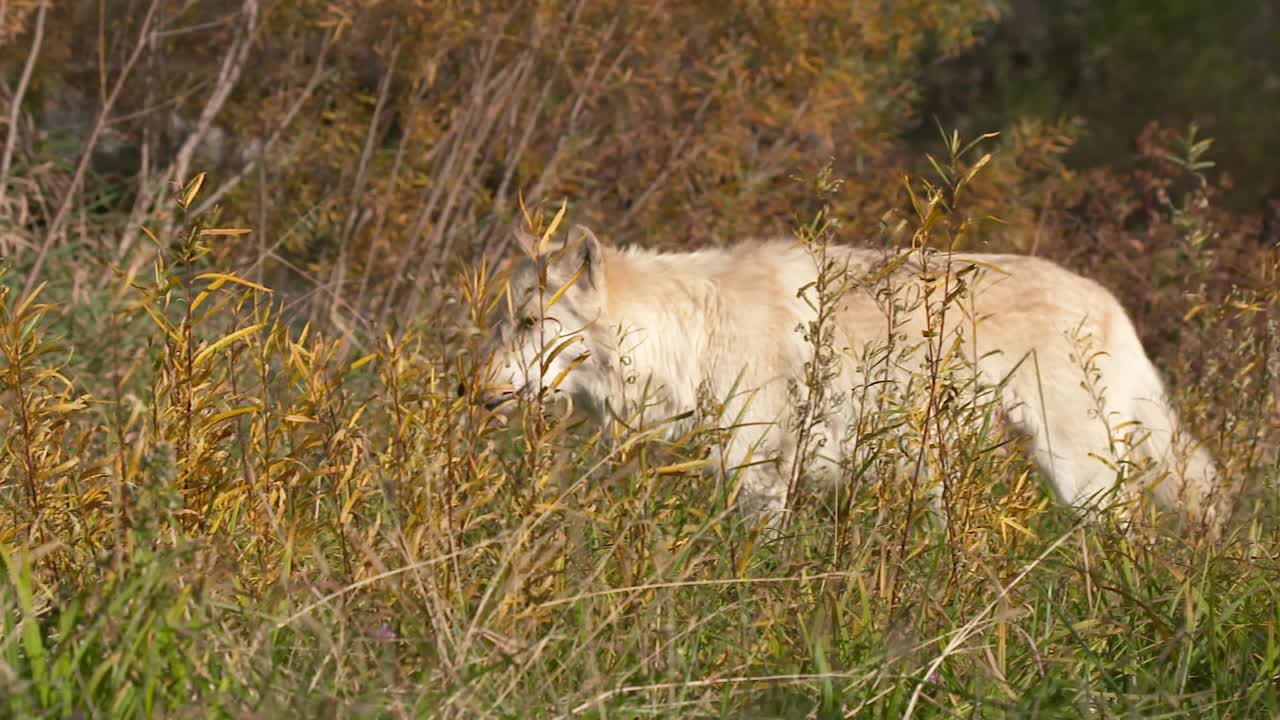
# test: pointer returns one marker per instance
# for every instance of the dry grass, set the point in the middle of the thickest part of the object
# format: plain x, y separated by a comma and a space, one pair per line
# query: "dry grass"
220, 500
207, 510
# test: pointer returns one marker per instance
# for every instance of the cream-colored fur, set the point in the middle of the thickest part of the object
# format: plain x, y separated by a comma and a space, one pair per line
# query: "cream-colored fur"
639, 331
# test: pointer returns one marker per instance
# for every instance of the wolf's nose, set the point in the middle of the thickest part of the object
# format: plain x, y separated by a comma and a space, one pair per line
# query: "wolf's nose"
462, 389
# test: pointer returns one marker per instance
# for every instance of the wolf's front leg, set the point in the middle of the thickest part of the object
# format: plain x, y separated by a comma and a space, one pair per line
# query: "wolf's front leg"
753, 465
762, 494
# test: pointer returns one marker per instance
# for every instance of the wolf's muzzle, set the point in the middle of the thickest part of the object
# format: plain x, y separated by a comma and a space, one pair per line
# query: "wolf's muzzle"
497, 400
491, 397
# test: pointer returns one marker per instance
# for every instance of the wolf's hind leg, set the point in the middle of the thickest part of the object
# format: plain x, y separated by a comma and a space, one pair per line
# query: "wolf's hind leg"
1069, 442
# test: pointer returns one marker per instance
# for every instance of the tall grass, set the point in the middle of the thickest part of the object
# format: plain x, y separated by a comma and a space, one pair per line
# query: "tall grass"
209, 511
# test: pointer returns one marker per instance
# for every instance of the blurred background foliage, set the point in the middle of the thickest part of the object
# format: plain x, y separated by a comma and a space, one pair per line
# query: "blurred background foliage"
180, 459
1121, 64
371, 142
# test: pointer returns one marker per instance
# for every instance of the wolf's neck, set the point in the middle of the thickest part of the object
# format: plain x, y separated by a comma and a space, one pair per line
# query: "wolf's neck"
660, 308
672, 292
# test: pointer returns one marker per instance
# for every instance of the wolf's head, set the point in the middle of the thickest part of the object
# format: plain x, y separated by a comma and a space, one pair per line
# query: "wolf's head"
551, 339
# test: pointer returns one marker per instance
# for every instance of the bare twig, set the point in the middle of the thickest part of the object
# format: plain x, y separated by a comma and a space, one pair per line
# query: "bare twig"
678, 158
11, 141
60, 219
102, 51
197, 28
317, 76
511, 79
146, 187
370, 142
585, 92
505, 94
389, 191
319, 287
456, 145
976, 622
719, 682
233, 64
358, 213
535, 112
264, 201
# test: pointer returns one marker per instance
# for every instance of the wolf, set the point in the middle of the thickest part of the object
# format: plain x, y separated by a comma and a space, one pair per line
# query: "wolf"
627, 331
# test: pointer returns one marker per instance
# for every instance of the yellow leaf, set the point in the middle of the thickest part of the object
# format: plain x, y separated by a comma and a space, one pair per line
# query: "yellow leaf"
1018, 526
231, 232
345, 515
223, 342
551, 229
200, 298
162, 323
193, 189
551, 356
63, 407
21, 310
228, 414
682, 467
563, 373
528, 219
221, 278
362, 362
565, 288
911, 195
976, 167
60, 468
300, 419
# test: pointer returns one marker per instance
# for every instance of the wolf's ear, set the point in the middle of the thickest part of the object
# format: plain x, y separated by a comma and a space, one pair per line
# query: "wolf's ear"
586, 252
528, 243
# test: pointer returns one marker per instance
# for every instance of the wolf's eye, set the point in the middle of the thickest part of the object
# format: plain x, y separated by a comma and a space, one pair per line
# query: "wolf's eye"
526, 323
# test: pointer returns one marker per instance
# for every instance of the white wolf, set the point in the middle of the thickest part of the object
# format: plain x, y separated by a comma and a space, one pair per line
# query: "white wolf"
601, 324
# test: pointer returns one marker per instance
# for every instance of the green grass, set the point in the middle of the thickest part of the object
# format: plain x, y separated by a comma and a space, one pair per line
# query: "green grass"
215, 514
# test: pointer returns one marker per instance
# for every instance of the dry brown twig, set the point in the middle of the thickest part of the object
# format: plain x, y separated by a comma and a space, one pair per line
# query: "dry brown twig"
318, 75
15, 112
232, 67
255, 161
58, 223
358, 212
233, 64
455, 143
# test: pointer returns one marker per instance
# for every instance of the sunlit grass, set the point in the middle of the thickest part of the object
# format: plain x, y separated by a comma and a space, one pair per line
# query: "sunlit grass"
206, 510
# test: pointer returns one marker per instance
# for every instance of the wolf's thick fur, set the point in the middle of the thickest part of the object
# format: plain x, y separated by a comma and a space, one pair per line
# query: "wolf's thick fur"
635, 326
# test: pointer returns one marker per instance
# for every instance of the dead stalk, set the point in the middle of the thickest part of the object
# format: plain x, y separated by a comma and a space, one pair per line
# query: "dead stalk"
318, 75
233, 64
15, 112
86, 154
